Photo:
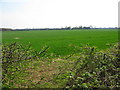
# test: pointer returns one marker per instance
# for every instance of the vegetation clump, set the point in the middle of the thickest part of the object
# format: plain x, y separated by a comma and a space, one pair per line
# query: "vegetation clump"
88, 68
96, 69
15, 57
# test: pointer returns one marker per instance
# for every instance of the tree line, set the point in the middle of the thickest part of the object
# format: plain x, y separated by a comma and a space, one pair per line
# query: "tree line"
62, 28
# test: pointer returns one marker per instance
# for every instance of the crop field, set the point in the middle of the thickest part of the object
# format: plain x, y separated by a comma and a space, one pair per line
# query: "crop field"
62, 42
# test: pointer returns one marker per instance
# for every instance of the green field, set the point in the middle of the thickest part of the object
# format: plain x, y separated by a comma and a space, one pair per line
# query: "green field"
61, 42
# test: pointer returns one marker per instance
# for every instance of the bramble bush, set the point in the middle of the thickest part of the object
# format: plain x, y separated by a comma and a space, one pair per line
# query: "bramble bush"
96, 69
15, 57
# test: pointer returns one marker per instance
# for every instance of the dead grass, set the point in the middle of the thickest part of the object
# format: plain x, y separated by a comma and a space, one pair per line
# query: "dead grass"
41, 74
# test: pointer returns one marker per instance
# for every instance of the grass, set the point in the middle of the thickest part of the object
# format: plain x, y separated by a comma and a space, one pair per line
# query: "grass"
61, 42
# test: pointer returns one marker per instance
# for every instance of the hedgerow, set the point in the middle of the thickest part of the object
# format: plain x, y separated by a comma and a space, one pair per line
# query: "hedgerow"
96, 69
15, 57
92, 68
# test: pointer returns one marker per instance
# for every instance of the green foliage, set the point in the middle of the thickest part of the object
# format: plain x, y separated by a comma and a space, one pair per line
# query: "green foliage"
15, 57
96, 69
87, 67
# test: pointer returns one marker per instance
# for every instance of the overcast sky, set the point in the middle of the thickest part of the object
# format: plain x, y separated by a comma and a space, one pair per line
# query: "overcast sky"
58, 13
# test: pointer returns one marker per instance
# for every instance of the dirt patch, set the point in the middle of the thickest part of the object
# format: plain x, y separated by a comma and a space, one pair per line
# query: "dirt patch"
43, 74
17, 38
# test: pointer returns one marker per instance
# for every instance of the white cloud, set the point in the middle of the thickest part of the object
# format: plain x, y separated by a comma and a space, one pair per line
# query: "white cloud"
58, 13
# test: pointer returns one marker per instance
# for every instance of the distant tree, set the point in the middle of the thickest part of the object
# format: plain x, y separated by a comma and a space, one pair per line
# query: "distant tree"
80, 27
5, 29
